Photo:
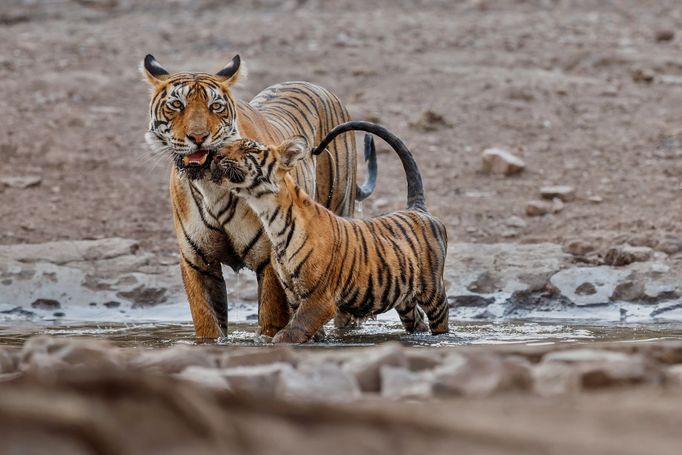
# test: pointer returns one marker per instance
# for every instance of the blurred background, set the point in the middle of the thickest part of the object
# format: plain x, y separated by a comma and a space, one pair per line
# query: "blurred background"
586, 92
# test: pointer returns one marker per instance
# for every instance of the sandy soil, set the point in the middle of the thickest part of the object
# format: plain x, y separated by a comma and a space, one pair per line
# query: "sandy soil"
587, 92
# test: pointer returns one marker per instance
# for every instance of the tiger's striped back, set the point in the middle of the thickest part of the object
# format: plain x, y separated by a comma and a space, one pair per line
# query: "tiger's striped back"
301, 108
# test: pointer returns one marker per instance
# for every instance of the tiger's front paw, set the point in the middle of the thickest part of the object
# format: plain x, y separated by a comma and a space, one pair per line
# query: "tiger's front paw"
291, 336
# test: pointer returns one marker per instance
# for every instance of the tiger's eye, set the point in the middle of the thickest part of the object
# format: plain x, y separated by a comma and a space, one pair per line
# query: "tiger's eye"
176, 104
216, 106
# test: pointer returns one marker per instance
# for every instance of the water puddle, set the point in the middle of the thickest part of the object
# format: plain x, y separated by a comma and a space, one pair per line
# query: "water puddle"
157, 335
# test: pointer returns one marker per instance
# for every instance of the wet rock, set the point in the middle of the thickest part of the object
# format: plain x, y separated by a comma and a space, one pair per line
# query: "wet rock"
399, 383
485, 283
538, 208
174, 359
44, 354
111, 304
144, 296
564, 193
430, 121
628, 291
594, 369
322, 383
421, 361
501, 162
45, 304
206, 377
366, 369
259, 357
470, 300
604, 280
482, 375
22, 182
509, 267
626, 254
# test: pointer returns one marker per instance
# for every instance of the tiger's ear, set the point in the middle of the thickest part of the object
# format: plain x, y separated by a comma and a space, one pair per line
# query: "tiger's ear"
291, 151
153, 71
232, 71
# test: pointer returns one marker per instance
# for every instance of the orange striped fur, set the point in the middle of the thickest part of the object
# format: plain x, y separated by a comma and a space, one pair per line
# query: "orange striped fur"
192, 115
325, 262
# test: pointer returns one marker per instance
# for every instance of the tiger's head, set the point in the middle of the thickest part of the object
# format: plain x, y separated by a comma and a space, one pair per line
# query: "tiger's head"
192, 115
251, 168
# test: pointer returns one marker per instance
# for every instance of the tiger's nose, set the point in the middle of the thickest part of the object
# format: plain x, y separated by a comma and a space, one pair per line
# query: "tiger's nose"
197, 138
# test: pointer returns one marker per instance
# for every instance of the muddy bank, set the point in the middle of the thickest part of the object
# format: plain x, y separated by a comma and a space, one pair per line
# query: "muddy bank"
91, 397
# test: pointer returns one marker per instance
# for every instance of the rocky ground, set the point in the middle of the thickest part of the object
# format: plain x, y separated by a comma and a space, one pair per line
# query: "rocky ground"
586, 93
90, 397
548, 134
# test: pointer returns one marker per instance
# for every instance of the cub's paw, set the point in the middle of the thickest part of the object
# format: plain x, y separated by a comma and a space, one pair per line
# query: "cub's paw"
291, 336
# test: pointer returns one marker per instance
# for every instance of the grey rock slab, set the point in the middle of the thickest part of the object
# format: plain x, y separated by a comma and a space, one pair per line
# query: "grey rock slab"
322, 383
502, 267
22, 182
399, 383
572, 281
366, 368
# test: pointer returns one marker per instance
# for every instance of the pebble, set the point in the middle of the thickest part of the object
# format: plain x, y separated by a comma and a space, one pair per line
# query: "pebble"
664, 35
501, 162
626, 254
22, 182
516, 221
538, 208
563, 192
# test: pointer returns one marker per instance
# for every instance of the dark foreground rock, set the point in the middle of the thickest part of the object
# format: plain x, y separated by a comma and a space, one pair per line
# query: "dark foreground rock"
88, 397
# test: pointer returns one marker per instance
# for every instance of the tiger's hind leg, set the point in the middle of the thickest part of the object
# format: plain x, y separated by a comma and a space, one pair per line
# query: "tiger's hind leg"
412, 317
438, 311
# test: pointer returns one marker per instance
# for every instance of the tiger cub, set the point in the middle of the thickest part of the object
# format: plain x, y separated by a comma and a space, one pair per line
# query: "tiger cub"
362, 267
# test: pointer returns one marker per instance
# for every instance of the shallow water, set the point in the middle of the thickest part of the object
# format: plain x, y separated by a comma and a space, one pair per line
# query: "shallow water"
157, 335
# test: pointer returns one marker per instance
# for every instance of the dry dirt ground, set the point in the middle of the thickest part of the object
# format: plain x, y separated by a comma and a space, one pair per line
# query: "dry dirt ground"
587, 92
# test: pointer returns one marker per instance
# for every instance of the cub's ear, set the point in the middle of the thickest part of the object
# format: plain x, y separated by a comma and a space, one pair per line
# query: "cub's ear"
292, 150
153, 71
232, 71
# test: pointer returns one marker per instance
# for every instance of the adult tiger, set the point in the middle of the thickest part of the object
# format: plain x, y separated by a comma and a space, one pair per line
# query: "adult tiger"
192, 115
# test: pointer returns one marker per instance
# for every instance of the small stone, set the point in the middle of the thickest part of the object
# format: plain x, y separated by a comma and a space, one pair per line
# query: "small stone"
642, 75
563, 192
538, 208
626, 254
595, 199
515, 221
22, 182
430, 121
586, 289
664, 35
45, 304
557, 205
207, 377
473, 300
501, 162
579, 247
628, 291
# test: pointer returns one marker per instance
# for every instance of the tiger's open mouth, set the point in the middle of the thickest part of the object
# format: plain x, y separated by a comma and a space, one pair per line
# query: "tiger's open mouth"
195, 164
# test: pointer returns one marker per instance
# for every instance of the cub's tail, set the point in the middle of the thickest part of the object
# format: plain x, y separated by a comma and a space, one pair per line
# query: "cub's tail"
415, 187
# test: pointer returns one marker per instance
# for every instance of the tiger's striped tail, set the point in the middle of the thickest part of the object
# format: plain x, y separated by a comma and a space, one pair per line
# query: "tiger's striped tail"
415, 187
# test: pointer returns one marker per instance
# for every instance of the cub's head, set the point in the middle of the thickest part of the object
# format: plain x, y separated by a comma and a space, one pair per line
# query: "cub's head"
248, 167
192, 115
